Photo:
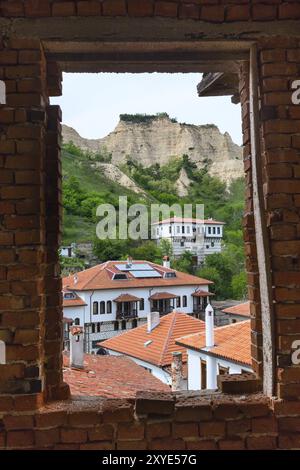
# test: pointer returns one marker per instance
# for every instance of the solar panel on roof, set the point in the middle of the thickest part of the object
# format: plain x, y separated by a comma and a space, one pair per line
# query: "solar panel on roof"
134, 267
141, 274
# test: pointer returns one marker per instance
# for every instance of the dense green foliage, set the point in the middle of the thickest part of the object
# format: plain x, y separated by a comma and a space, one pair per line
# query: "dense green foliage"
85, 187
143, 118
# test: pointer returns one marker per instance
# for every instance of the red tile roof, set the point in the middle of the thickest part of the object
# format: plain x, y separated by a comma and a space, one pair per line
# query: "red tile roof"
110, 377
162, 295
202, 293
159, 351
188, 220
100, 277
76, 302
232, 342
127, 298
240, 309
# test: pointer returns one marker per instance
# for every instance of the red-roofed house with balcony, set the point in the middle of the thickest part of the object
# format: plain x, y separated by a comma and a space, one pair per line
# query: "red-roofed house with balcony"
118, 295
201, 237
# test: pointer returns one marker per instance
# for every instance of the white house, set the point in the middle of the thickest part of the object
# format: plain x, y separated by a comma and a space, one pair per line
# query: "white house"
225, 349
152, 345
117, 295
200, 237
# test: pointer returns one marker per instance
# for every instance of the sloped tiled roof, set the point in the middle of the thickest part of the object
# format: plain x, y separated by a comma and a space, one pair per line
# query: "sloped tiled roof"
110, 377
101, 277
159, 351
127, 298
232, 342
241, 309
162, 295
76, 302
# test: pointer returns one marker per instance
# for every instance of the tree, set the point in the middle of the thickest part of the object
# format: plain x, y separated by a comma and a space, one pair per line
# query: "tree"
108, 249
239, 286
166, 247
148, 250
185, 263
211, 274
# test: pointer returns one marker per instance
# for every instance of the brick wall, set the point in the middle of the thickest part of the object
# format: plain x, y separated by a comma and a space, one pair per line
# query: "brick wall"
216, 11
30, 212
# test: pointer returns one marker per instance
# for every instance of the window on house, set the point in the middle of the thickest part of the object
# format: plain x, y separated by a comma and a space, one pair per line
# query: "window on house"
209, 230
123, 324
109, 307
116, 326
212, 244
98, 327
188, 230
184, 301
134, 323
218, 230
95, 308
178, 301
93, 327
183, 229
77, 321
177, 229
142, 304
102, 307
214, 230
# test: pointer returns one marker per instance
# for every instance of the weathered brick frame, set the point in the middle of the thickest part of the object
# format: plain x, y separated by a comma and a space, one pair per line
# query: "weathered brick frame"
30, 283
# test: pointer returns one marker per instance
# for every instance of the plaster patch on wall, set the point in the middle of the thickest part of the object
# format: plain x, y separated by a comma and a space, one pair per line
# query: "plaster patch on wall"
2, 92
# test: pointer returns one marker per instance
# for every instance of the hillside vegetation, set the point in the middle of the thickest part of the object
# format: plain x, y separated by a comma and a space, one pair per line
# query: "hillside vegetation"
85, 187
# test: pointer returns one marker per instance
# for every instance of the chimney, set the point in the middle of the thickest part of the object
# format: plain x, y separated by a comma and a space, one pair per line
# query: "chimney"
129, 262
166, 262
176, 371
211, 363
153, 320
76, 347
209, 326
75, 278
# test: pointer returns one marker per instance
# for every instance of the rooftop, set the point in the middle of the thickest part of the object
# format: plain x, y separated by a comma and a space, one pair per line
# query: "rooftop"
75, 301
103, 275
240, 309
188, 220
157, 346
232, 342
110, 377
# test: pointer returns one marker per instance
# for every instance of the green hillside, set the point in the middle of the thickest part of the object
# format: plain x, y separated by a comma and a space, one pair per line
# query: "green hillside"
85, 187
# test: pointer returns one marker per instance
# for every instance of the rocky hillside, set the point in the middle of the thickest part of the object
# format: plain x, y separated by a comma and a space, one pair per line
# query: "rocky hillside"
155, 139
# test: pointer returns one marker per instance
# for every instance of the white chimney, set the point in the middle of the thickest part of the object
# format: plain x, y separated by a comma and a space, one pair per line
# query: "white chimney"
211, 363
76, 347
176, 371
166, 262
75, 278
209, 326
153, 320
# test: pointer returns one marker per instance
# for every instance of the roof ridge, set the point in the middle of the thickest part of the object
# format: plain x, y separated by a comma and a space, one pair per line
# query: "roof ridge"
93, 277
169, 335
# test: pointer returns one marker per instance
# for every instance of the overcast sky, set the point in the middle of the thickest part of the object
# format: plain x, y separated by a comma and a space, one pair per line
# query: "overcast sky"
92, 103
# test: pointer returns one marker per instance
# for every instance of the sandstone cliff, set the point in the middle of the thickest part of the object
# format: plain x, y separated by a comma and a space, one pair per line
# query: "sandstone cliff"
159, 138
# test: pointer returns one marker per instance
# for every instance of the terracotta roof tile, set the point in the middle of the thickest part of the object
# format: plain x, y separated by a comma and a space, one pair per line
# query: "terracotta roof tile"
159, 351
240, 309
162, 295
99, 277
202, 293
127, 298
232, 342
110, 377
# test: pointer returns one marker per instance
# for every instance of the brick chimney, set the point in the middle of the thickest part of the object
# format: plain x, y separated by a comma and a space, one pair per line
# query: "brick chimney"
166, 262
76, 347
176, 371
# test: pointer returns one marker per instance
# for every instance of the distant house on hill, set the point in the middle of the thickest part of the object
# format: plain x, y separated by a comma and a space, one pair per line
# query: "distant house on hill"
199, 237
118, 295
238, 312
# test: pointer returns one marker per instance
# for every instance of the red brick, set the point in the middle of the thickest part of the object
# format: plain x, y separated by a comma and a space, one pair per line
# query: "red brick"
289, 11
165, 9
103, 432
20, 439
261, 443
167, 444
214, 428
97, 446
138, 8
289, 424
89, 8
214, 13
185, 430
189, 10
75, 436
203, 444
50, 419
237, 12
37, 8
114, 7
133, 431
264, 425
238, 426
132, 445
264, 12
84, 418
12, 8
231, 444
289, 441
47, 437
158, 430
18, 422
63, 9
